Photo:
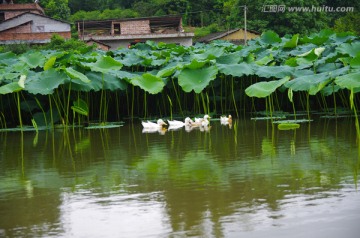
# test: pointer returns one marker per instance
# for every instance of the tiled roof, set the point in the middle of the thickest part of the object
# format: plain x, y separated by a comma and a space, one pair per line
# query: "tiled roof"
21, 7
218, 35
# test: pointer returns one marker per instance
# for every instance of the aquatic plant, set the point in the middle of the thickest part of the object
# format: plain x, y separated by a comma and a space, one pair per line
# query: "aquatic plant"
290, 73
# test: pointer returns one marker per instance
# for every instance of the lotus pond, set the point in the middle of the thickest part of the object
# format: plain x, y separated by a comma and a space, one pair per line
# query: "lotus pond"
248, 180
292, 73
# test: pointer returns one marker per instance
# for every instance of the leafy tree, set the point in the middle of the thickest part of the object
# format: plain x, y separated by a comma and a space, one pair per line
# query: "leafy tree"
58, 9
350, 22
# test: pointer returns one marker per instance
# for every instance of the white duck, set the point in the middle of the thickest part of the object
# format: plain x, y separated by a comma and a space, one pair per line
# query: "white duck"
201, 121
175, 124
151, 125
224, 120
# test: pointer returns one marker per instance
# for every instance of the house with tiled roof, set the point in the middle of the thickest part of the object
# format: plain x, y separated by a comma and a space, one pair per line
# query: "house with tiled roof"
236, 36
27, 23
126, 32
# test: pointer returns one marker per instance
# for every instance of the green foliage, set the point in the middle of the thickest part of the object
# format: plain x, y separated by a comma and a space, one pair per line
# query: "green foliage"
350, 22
203, 77
59, 43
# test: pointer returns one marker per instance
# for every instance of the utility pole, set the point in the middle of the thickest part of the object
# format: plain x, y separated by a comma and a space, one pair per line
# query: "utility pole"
245, 30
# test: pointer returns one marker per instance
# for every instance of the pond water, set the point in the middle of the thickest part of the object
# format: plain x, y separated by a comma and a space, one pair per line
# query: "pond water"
250, 180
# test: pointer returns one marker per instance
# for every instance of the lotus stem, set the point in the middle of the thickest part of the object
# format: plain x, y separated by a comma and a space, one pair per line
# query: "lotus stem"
18, 108
233, 96
42, 109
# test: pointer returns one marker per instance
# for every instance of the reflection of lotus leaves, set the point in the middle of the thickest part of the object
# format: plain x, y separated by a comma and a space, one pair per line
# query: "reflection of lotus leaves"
199, 167
156, 164
267, 148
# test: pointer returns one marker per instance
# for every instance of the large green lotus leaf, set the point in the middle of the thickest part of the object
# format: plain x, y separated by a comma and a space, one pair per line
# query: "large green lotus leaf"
264, 89
104, 64
10, 76
355, 62
265, 60
123, 75
349, 81
231, 58
33, 59
270, 37
311, 83
209, 54
130, 59
44, 82
196, 64
167, 71
351, 49
149, 82
196, 79
274, 71
292, 43
237, 70
335, 71
6, 56
10, 88
74, 74
301, 49
342, 37
316, 40
112, 82
95, 83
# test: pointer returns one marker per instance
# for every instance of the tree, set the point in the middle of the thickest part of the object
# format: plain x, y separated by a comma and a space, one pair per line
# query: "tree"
350, 22
58, 9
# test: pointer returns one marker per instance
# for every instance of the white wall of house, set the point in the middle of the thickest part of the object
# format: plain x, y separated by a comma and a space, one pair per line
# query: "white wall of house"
38, 23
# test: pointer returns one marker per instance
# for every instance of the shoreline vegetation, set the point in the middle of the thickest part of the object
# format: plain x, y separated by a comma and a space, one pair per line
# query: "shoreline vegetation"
43, 87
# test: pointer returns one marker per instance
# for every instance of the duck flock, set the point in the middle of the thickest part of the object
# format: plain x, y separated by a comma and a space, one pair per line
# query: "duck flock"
198, 123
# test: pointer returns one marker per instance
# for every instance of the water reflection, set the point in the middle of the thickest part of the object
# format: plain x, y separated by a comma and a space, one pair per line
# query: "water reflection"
247, 179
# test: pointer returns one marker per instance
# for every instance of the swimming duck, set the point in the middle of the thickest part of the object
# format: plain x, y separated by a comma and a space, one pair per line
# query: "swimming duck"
150, 125
174, 124
201, 122
226, 120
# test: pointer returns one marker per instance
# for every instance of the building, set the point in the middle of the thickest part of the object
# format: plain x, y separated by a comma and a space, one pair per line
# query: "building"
124, 32
27, 23
99, 45
236, 36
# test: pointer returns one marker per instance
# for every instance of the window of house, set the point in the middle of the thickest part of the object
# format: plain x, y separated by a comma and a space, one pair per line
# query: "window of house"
2, 16
40, 28
117, 29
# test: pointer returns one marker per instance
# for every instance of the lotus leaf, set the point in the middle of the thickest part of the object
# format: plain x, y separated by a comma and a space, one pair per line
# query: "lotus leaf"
45, 82
311, 83
237, 70
209, 54
196, 79
232, 58
274, 71
349, 81
76, 75
10, 88
265, 60
270, 37
292, 43
50, 63
148, 82
264, 89
104, 64
81, 107
351, 49
33, 59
